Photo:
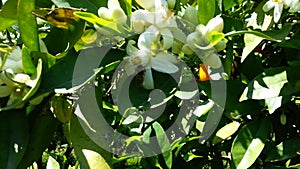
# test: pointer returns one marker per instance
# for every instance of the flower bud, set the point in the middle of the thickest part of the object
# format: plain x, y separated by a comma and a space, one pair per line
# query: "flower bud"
104, 13
191, 15
213, 61
146, 4
283, 119
215, 24
119, 15
193, 39
138, 26
220, 46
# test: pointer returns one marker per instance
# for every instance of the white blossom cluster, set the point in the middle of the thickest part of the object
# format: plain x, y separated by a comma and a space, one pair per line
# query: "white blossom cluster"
158, 30
278, 5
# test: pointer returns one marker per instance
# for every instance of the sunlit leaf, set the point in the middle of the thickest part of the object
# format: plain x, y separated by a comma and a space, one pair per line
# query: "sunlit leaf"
249, 143
27, 24
52, 163
89, 154
226, 131
164, 143
265, 86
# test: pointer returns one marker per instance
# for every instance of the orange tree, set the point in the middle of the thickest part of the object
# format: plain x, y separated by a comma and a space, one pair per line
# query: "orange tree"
149, 84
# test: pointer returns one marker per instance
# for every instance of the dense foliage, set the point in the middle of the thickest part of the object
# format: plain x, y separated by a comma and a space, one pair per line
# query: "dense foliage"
149, 84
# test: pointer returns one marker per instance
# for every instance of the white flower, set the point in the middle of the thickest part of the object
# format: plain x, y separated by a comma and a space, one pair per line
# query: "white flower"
278, 7
157, 22
202, 43
113, 12
293, 4
13, 61
151, 4
149, 58
14, 85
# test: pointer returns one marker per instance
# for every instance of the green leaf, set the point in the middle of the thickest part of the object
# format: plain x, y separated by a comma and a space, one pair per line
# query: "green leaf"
185, 95
285, 150
89, 154
8, 14
42, 127
265, 86
128, 4
163, 143
206, 10
226, 131
230, 3
14, 136
36, 81
67, 37
28, 65
52, 163
28, 25
249, 143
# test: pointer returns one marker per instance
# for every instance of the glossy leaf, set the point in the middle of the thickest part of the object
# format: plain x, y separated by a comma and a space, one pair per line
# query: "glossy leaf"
27, 24
42, 127
251, 41
226, 131
163, 143
8, 14
14, 136
89, 154
249, 143
265, 86
229, 3
27, 62
206, 10
285, 150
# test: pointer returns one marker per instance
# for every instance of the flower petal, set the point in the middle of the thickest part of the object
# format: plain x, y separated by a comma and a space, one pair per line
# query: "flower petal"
130, 49
277, 12
104, 13
213, 60
148, 79
145, 40
142, 15
111, 4
146, 4
269, 5
167, 56
167, 38
162, 65
215, 24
